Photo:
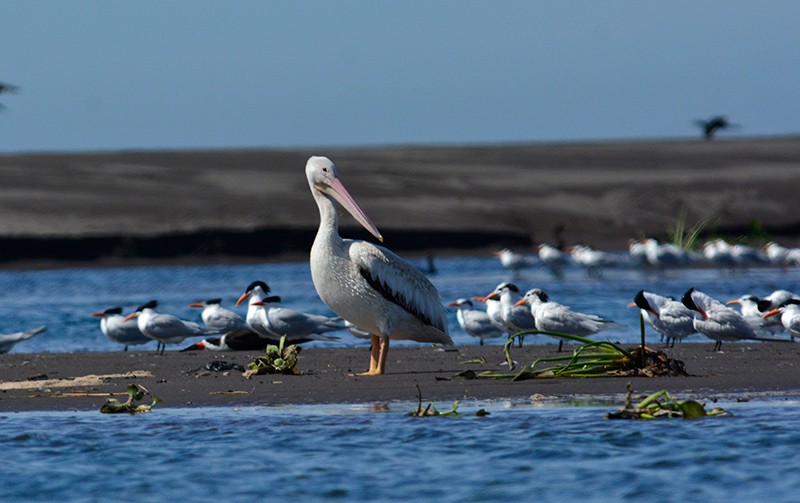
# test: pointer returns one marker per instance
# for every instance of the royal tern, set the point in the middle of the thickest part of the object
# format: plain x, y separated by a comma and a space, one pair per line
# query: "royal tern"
591, 259
515, 318
637, 255
752, 308
475, 322
366, 284
267, 317
775, 299
494, 310
789, 313
233, 340
7, 341
667, 316
216, 316
513, 261
718, 252
553, 258
664, 255
718, 322
777, 254
166, 328
114, 326
554, 317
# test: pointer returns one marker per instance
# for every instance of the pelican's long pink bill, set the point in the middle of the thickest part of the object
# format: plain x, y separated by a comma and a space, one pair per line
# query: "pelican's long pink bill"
344, 198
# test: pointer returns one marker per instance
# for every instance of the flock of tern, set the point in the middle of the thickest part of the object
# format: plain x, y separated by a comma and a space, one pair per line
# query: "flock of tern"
377, 295
652, 253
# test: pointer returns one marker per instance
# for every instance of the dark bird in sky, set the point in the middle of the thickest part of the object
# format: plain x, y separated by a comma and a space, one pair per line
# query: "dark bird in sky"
712, 125
7, 88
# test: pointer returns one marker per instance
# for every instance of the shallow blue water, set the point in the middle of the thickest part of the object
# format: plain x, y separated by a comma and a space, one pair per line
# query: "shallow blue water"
63, 299
520, 452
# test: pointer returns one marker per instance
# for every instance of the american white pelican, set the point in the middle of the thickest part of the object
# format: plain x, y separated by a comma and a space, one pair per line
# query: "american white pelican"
667, 316
7, 341
116, 328
475, 322
166, 328
267, 317
718, 322
554, 317
365, 284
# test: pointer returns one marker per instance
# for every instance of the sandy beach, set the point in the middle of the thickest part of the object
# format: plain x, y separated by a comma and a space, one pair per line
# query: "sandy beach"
47, 381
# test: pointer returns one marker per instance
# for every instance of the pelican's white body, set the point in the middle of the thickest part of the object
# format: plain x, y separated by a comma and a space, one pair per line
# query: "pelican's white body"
398, 301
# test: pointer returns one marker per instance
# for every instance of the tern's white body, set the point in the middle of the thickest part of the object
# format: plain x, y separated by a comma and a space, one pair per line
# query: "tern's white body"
668, 317
718, 322
273, 321
752, 309
122, 331
514, 318
591, 259
789, 317
513, 261
7, 341
554, 317
169, 329
366, 284
494, 310
475, 322
221, 318
664, 254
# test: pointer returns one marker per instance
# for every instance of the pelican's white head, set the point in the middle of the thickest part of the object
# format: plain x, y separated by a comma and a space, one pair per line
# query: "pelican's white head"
322, 179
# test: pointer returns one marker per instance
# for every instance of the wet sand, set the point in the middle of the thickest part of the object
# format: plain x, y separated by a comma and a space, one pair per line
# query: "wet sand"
741, 371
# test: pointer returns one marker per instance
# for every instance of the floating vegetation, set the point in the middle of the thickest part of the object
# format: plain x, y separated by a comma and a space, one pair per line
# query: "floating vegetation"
136, 393
591, 359
430, 409
277, 360
662, 405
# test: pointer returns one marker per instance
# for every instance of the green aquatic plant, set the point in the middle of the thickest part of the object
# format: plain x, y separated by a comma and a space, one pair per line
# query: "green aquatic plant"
591, 359
687, 238
136, 393
662, 405
430, 409
277, 360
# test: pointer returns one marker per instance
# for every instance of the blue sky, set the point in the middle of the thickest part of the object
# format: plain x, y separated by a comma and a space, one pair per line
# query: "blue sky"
99, 75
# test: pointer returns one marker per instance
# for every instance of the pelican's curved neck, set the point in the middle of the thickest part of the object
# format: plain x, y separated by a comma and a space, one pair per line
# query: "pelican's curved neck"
328, 218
